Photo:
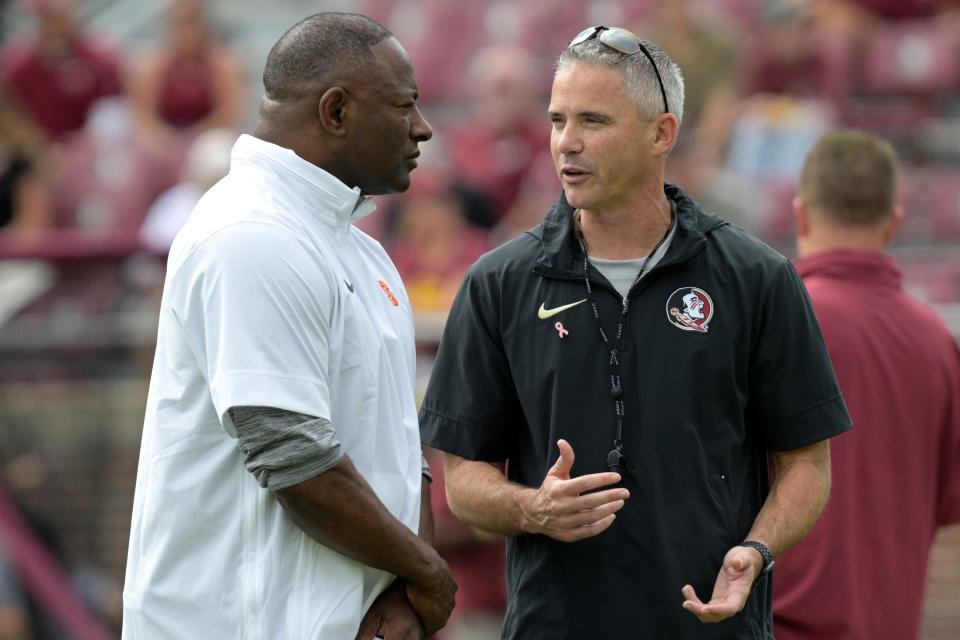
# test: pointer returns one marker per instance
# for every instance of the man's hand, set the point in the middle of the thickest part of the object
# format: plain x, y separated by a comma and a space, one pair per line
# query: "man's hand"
560, 510
433, 601
740, 568
391, 617
338, 509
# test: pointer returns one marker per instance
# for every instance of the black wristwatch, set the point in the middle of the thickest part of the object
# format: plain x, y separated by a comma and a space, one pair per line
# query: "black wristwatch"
767, 557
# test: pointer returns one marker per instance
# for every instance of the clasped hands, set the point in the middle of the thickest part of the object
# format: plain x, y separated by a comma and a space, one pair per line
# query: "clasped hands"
403, 612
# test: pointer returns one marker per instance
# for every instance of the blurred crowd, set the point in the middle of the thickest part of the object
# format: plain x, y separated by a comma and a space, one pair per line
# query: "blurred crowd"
118, 142
91, 137
124, 143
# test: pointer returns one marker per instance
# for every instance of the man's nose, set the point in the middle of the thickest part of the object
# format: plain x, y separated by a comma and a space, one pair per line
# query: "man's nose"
420, 129
568, 140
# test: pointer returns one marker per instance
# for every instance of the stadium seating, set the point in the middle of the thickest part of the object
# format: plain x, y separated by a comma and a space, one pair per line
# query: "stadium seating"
920, 58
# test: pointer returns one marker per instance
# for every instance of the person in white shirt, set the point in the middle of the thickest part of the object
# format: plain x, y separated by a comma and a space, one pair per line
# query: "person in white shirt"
207, 161
280, 490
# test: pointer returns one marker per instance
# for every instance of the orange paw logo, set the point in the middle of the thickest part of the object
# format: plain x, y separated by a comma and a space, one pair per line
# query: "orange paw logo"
386, 290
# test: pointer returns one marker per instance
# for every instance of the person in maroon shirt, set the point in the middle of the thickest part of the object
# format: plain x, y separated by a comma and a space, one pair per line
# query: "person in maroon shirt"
57, 76
496, 150
786, 58
863, 12
192, 82
861, 571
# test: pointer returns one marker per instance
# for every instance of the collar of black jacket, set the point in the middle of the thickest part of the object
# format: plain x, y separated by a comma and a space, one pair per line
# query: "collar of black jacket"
561, 254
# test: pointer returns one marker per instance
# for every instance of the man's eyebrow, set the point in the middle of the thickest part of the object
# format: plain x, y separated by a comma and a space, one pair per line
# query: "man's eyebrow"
596, 115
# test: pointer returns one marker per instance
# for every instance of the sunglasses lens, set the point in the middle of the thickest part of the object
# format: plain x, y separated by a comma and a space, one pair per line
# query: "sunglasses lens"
583, 36
621, 40
625, 42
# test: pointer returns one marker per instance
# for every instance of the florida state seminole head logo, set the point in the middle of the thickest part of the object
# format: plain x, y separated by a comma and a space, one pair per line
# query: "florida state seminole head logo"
690, 309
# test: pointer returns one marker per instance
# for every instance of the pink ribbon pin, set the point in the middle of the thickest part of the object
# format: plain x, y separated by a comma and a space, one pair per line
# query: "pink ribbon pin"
560, 330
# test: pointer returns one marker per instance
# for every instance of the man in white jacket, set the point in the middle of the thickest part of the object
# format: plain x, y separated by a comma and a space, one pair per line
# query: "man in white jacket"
280, 489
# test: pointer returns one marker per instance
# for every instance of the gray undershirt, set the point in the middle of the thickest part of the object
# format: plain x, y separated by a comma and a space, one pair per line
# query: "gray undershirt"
283, 448
622, 273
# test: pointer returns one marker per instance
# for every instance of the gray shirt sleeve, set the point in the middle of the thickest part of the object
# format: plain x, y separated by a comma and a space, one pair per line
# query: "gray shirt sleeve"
283, 448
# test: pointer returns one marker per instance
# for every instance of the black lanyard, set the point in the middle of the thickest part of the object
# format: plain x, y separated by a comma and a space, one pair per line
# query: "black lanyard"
616, 460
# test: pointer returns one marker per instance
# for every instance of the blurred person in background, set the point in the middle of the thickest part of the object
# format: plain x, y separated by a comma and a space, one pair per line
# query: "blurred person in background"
710, 57
478, 563
281, 490
861, 571
859, 18
4, 17
104, 180
58, 74
787, 60
24, 184
14, 615
63, 596
708, 364
189, 83
207, 161
504, 132
788, 95
537, 193
433, 245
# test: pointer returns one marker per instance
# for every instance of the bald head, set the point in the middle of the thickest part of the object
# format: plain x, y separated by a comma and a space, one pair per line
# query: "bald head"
317, 49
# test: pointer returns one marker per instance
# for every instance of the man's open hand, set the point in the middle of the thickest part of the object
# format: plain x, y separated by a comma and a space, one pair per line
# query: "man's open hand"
562, 509
740, 568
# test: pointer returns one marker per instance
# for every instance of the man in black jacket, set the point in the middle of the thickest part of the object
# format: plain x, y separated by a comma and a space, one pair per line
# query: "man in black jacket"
671, 350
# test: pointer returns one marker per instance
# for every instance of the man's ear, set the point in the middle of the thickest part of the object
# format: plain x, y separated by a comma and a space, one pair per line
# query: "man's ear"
665, 134
893, 225
332, 111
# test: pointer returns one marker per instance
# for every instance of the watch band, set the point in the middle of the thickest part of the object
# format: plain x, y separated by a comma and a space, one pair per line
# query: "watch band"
764, 551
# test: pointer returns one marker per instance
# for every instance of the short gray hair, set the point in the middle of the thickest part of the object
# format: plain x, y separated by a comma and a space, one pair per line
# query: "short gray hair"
640, 77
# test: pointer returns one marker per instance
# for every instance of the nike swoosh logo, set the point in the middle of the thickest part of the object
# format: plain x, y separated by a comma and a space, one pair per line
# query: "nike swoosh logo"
349, 286
543, 313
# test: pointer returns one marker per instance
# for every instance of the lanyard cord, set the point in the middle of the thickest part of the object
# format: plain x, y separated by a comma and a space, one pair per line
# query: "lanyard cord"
616, 461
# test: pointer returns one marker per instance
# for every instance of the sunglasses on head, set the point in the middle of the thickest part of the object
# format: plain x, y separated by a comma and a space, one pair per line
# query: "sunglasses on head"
625, 42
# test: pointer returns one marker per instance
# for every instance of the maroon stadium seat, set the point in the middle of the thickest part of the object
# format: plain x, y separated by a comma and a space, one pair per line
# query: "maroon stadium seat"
917, 57
945, 205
